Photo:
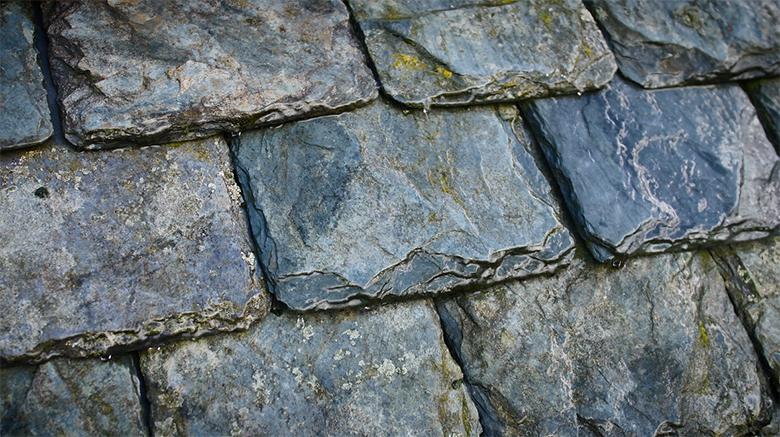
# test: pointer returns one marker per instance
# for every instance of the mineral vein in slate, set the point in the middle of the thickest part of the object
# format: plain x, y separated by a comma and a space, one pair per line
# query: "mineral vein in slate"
380, 203
661, 43
455, 52
115, 248
646, 171
156, 71
25, 116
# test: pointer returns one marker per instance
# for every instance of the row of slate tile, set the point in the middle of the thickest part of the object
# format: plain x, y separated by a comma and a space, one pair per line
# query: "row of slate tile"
652, 347
149, 73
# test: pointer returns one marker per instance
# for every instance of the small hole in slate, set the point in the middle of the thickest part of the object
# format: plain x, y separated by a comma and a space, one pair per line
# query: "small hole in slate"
41, 193
617, 264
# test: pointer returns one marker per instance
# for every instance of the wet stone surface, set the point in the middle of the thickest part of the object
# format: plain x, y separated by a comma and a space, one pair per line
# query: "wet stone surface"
110, 249
456, 52
765, 95
24, 112
649, 171
380, 203
650, 348
151, 71
660, 43
72, 397
386, 372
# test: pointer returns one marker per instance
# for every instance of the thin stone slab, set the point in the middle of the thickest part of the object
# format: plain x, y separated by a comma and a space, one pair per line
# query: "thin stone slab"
73, 397
108, 250
155, 71
661, 43
386, 372
437, 53
651, 349
650, 171
24, 112
384, 204
765, 95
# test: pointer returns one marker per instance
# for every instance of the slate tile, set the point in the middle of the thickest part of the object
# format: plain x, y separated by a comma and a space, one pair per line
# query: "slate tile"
650, 171
73, 397
154, 71
386, 372
765, 95
660, 43
653, 348
24, 111
436, 53
380, 203
110, 249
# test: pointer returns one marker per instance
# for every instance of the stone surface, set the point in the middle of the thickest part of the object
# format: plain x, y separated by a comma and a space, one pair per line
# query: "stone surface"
152, 71
653, 348
765, 95
24, 112
752, 274
647, 171
72, 397
107, 249
386, 372
660, 43
455, 52
382, 204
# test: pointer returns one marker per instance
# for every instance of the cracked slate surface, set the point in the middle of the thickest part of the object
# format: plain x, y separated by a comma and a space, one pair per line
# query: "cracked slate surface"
648, 171
457, 52
659, 43
72, 397
107, 249
385, 372
765, 95
152, 72
381, 203
25, 116
654, 346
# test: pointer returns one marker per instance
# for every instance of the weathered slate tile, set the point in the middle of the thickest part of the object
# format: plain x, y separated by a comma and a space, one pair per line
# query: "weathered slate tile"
660, 43
24, 112
765, 95
436, 53
108, 249
650, 348
153, 71
647, 171
386, 372
752, 273
380, 203
72, 397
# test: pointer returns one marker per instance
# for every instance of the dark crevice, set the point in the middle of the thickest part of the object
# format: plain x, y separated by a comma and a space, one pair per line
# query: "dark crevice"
361, 40
42, 44
146, 406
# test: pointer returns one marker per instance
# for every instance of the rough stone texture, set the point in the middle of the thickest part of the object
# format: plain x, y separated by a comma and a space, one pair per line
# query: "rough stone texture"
153, 71
381, 373
646, 171
765, 95
24, 112
454, 52
107, 249
752, 273
651, 348
379, 203
72, 397
660, 43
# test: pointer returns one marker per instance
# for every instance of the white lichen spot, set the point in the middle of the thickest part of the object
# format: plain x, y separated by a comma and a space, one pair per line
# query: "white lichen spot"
250, 259
361, 363
346, 386
308, 332
387, 369
298, 375
341, 354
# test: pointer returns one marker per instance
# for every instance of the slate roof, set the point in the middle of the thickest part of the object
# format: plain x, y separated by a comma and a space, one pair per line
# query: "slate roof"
460, 183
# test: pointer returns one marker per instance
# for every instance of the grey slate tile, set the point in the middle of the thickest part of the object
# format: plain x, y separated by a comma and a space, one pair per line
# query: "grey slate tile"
385, 372
660, 43
71, 397
649, 171
436, 53
380, 203
765, 95
155, 71
110, 249
654, 348
24, 112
